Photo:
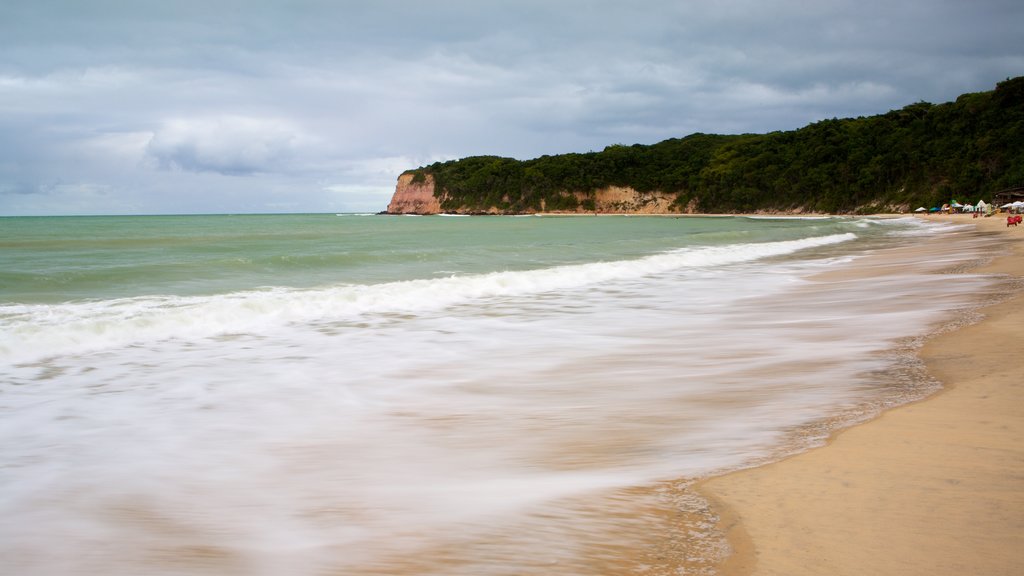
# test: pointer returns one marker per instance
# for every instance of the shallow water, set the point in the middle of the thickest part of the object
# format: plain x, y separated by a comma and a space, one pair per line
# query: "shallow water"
465, 396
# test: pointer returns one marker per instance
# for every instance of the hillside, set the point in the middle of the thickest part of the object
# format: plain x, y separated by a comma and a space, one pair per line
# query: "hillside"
921, 155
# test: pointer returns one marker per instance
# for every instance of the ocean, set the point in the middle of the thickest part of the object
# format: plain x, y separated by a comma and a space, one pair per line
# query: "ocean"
362, 394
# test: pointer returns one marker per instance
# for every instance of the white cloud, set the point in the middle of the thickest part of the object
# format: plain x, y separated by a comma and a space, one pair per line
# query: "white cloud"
230, 145
118, 147
197, 107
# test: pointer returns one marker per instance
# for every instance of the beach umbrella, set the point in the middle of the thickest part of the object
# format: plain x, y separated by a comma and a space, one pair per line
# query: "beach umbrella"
921, 209
1007, 205
934, 209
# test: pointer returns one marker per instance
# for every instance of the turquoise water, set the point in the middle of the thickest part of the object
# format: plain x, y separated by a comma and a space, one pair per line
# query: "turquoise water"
322, 394
71, 258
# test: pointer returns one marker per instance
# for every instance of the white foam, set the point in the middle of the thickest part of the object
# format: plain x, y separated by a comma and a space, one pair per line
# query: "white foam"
35, 331
317, 446
791, 217
910, 226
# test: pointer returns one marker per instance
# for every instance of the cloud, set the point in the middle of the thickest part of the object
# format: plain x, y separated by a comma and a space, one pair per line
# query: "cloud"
121, 148
250, 105
229, 145
62, 198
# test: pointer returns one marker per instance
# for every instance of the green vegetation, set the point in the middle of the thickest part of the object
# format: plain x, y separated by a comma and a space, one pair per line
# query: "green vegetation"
921, 155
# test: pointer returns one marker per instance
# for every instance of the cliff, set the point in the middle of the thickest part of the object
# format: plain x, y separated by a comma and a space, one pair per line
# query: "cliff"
625, 200
414, 197
420, 197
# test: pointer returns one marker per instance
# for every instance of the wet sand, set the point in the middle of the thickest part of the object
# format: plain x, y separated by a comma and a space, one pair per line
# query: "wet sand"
934, 487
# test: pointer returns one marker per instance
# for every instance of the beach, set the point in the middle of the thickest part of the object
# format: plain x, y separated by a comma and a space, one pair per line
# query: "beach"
933, 487
322, 394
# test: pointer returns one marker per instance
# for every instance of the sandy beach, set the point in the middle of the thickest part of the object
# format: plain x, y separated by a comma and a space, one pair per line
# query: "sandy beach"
934, 487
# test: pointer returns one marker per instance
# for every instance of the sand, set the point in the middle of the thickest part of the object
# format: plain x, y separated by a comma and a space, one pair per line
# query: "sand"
934, 487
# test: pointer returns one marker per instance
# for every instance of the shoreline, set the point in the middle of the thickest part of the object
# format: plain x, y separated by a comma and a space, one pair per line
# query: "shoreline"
929, 487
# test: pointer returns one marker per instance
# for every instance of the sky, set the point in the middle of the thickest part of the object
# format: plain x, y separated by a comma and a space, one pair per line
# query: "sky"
259, 106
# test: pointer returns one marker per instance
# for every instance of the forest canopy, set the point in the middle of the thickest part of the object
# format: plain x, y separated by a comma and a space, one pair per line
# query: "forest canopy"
921, 155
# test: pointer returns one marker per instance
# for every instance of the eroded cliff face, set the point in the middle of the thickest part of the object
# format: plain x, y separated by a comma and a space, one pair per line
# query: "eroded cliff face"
620, 200
419, 198
414, 197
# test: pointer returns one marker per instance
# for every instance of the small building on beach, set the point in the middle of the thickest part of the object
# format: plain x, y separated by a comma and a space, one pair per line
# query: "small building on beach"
1008, 196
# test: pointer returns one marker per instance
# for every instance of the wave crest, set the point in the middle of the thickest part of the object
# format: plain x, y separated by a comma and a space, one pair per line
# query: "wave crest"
37, 331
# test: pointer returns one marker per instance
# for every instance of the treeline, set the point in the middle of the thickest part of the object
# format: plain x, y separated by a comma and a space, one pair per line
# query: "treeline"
921, 155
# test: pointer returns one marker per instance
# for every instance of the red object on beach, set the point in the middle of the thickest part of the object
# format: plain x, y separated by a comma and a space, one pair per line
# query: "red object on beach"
1013, 220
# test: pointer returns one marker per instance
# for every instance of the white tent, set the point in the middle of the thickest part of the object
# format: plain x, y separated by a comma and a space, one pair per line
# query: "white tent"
921, 209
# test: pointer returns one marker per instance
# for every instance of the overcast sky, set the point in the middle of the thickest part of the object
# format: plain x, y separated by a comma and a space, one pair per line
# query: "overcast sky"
140, 107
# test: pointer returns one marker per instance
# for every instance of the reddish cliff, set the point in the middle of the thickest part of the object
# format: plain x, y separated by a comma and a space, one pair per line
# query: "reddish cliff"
621, 200
414, 197
418, 198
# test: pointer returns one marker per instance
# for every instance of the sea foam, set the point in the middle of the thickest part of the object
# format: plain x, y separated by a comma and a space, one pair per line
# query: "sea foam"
34, 331
466, 422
